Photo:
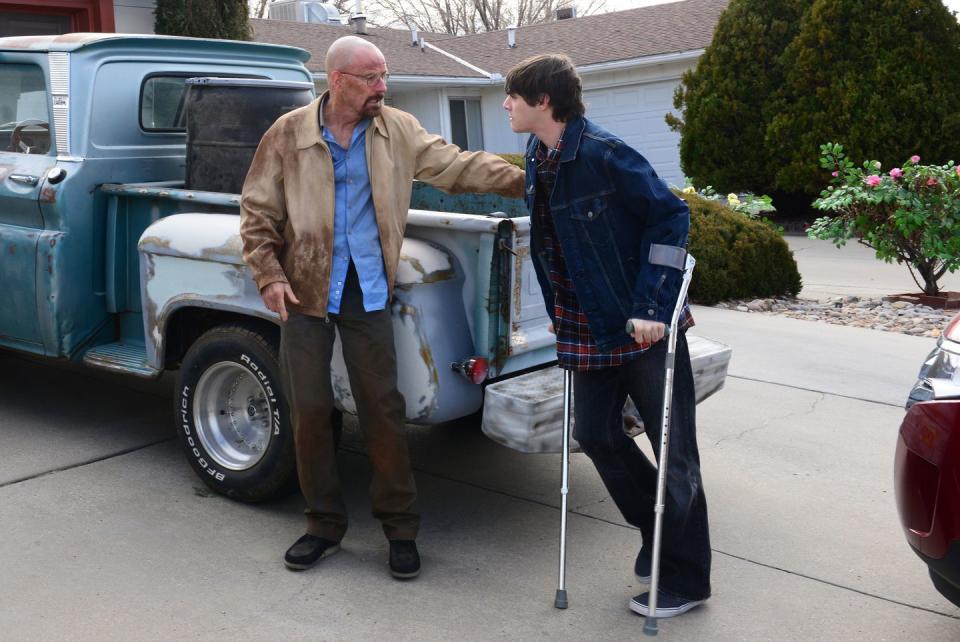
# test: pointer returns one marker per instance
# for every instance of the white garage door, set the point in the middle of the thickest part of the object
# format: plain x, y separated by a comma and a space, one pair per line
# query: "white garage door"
635, 114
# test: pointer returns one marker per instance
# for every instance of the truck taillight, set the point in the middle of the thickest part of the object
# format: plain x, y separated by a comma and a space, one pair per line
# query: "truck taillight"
474, 369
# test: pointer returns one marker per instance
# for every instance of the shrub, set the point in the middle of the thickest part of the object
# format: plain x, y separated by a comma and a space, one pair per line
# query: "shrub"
723, 100
737, 257
909, 214
746, 203
224, 19
881, 75
515, 159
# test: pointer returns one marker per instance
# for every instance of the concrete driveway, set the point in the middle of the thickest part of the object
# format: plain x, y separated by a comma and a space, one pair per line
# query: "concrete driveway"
854, 269
106, 534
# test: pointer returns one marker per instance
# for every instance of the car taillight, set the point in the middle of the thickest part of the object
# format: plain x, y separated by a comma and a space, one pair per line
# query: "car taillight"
952, 330
916, 488
474, 369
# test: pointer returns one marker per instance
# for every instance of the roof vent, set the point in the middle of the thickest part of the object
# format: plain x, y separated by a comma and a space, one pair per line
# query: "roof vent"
512, 37
413, 36
359, 22
566, 13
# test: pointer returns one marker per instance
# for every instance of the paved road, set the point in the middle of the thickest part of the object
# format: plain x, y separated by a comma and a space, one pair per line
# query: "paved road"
854, 269
106, 534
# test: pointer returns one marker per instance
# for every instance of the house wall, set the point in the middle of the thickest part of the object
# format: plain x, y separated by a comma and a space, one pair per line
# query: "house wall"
497, 135
631, 103
134, 16
651, 136
62, 16
424, 104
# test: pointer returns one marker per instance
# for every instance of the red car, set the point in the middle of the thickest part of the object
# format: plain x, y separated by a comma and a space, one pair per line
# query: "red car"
927, 465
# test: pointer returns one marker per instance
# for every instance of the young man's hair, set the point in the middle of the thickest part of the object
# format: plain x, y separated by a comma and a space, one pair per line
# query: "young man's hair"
551, 75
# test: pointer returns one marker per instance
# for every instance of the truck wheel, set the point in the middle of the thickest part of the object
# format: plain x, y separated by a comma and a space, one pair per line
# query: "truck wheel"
232, 416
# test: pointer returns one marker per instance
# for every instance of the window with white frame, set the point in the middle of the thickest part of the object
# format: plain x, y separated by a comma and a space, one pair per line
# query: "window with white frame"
466, 130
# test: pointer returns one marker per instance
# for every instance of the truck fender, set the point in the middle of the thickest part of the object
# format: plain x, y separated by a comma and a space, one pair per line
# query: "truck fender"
430, 331
193, 260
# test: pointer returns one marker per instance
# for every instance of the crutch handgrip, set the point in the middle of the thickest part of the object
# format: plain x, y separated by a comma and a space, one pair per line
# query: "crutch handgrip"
629, 329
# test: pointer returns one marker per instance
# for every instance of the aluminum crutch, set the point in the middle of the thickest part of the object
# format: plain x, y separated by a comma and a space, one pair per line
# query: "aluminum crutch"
650, 627
560, 601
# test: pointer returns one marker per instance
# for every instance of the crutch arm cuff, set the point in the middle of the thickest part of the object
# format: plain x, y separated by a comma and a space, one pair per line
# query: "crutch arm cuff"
667, 255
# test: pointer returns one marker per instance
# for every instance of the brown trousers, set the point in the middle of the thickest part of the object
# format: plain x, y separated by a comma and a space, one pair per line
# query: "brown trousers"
306, 348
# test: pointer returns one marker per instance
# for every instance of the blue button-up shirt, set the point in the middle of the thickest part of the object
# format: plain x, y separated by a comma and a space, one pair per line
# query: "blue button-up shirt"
355, 232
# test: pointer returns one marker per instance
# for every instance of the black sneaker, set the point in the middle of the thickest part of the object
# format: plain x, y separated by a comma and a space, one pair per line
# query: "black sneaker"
642, 567
307, 551
404, 559
667, 605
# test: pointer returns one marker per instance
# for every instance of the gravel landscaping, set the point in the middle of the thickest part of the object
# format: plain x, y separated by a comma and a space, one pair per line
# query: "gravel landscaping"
875, 313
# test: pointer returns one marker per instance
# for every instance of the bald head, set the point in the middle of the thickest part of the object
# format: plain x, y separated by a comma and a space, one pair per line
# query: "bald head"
356, 79
350, 51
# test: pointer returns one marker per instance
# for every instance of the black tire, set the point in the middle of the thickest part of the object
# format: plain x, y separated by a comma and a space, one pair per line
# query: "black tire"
232, 415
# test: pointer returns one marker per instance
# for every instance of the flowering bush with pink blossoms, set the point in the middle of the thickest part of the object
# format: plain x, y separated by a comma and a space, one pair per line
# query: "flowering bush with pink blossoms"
908, 214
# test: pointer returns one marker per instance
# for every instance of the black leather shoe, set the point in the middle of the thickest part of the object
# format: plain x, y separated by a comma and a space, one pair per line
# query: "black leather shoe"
307, 551
404, 559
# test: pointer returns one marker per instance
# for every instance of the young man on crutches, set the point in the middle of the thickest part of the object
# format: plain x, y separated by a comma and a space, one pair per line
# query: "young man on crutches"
608, 241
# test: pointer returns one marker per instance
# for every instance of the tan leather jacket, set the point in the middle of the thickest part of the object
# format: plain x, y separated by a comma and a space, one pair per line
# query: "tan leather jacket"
287, 207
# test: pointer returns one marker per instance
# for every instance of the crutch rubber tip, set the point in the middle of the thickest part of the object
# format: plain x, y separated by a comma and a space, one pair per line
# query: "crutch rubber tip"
650, 628
560, 601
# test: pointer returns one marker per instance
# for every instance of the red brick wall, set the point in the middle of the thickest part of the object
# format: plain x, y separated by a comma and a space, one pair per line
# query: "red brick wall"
85, 15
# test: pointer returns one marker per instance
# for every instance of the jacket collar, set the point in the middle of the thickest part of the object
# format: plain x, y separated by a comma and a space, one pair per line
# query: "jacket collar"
309, 133
571, 138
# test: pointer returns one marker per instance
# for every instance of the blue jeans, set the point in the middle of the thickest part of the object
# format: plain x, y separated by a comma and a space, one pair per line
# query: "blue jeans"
631, 479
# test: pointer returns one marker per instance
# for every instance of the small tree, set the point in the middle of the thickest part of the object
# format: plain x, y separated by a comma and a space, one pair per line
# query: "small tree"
881, 75
909, 214
724, 98
223, 19
460, 17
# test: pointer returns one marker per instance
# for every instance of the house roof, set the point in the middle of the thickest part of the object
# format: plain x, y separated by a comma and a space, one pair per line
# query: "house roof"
607, 37
402, 57
674, 27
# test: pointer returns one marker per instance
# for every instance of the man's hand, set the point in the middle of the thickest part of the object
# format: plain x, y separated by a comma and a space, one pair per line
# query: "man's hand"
550, 328
648, 332
275, 297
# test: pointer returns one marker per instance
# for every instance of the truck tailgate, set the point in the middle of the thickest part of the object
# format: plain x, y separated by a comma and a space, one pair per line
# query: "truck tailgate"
525, 341
526, 412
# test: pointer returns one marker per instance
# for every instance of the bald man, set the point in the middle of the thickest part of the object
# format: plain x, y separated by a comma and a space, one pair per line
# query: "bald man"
323, 213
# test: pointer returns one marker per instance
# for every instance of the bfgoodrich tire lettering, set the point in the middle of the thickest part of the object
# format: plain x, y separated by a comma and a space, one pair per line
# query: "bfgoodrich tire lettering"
232, 416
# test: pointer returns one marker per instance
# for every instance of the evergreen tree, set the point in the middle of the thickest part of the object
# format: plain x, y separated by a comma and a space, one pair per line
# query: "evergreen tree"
724, 98
224, 19
879, 76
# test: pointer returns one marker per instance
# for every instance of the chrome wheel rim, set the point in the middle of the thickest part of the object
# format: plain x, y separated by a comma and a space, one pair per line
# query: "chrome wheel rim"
231, 415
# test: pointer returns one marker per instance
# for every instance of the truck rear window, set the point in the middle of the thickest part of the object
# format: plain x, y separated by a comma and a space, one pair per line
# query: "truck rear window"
162, 100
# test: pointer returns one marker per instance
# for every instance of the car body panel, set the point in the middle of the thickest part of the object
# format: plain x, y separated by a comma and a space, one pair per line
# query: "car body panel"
927, 467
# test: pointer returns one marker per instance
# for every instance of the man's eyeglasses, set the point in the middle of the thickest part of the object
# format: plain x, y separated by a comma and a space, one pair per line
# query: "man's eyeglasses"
369, 79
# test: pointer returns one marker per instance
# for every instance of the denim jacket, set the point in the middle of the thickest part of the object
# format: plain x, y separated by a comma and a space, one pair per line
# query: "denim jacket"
608, 207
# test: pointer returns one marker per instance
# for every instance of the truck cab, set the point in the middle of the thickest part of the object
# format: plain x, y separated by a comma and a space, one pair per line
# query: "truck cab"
64, 286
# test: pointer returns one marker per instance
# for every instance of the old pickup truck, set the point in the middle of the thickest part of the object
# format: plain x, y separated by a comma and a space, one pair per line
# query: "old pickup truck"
110, 259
